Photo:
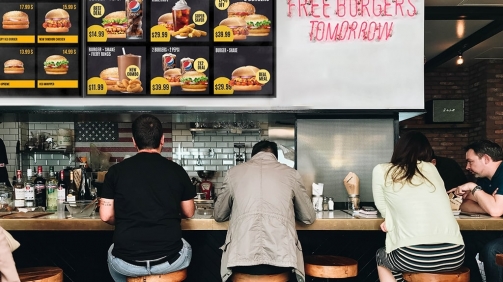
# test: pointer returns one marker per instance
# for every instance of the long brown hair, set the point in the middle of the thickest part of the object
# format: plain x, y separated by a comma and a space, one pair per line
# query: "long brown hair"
411, 148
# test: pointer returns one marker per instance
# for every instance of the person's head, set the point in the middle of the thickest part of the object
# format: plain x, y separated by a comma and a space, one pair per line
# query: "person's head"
147, 132
483, 158
265, 146
411, 148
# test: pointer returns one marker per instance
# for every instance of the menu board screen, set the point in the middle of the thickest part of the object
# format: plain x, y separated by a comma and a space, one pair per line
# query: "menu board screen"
40, 48
184, 48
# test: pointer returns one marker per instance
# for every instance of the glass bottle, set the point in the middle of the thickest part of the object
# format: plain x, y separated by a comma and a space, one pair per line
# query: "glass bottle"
19, 201
330, 204
325, 203
29, 190
51, 189
71, 195
85, 192
39, 183
61, 194
5, 197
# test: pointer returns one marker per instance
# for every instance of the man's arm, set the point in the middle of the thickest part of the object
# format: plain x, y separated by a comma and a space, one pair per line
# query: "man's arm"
480, 201
188, 208
303, 205
107, 212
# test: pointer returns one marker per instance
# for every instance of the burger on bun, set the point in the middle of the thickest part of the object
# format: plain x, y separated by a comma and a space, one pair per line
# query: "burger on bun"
115, 24
244, 79
173, 76
56, 64
238, 27
111, 77
13, 67
240, 9
194, 81
57, 20
258, 25
166, 20
15, 20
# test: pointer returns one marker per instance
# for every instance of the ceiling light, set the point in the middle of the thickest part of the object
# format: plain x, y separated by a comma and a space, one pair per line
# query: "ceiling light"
460, 60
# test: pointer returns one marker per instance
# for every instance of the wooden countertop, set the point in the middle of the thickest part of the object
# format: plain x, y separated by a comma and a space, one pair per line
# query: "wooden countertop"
336, 220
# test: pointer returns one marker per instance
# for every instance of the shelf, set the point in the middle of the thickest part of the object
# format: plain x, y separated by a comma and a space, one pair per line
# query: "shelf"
223, 130
62, 151
438, 126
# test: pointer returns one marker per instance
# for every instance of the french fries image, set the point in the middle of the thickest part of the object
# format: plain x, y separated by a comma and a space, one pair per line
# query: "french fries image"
189, 31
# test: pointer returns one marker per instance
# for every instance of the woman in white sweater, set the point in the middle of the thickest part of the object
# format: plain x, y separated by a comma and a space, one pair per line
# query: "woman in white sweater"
422, 234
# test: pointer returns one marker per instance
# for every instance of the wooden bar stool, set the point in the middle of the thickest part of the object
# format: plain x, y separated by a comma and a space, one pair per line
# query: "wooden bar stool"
176, 276
325, 266
242, 277
41, 274
459, 275
499, 259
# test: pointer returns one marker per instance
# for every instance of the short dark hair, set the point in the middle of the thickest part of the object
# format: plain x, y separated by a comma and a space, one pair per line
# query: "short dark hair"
486, 147
147, 132
265, 146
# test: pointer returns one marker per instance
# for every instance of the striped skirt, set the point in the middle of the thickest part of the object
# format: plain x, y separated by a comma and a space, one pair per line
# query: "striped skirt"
421, 258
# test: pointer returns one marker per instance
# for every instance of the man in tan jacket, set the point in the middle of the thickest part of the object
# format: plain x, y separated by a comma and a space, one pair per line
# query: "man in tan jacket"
262, 198
8, 272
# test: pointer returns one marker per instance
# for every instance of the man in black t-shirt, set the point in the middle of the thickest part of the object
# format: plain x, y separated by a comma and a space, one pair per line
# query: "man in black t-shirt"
145, 197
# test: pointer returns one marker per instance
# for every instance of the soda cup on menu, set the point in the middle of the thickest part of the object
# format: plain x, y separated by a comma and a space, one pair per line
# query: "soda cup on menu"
168, 61
187, 64
134, 15
181, 14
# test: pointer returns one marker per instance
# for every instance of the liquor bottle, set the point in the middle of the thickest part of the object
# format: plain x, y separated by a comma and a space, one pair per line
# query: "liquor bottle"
29, 190
51, 189
85, 191
39, 183
62, 187
71, 195
19, 190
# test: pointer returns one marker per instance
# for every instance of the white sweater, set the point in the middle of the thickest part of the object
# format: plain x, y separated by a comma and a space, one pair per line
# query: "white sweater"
415, 215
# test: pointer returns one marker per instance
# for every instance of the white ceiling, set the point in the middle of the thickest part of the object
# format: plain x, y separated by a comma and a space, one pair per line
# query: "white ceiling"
442, 34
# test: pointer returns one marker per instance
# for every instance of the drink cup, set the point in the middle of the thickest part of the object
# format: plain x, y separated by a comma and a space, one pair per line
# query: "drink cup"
134, 15
181, 15
124, 61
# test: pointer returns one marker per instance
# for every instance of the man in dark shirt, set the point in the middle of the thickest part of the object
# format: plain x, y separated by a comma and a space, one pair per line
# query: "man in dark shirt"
144, 197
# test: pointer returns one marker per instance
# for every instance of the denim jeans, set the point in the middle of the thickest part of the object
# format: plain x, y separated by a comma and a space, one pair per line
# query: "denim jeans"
494, 272
120, 270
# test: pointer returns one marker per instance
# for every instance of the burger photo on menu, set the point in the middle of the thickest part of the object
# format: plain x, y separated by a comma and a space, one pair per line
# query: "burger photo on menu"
15, 20
194, 81
111, 77
238, 27
115, 24
240, 9
56, 65
56, 21
258, 25
244, 79
166, 20
13, 66
174, 76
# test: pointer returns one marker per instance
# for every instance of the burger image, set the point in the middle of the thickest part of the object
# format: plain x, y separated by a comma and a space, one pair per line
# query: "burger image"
57, 20
258, 25
13, 67
15, 20
240, 9
56, 65
194, 81
173, 76
115, 24
244, 79
167, 21
111, 77
238, 27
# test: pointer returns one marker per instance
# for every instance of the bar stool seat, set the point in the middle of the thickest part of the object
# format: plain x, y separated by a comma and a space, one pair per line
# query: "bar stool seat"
41, 274
242, 277
499, 259
326, 266
459, 275
176, 276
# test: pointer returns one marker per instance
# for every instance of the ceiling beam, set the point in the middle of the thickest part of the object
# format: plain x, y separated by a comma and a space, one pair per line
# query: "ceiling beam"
463, 13
475, 38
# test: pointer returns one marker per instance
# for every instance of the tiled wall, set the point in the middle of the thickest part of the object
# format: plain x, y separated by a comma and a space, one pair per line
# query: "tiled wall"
177, 136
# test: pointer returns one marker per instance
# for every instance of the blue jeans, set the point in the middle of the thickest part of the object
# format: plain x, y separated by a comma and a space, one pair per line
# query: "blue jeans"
120, 270
494, 272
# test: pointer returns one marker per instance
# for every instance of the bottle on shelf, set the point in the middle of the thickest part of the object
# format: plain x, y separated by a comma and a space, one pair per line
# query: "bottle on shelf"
61, 194
85, 191
51, 189
71, 195
325, 203
330, 203
39, 183
29, 189
19, 198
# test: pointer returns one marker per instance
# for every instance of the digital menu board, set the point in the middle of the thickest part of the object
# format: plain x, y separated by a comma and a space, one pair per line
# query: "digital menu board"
39, 48
138, 48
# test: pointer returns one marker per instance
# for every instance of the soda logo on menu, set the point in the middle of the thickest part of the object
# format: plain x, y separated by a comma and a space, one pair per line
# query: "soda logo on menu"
134, 6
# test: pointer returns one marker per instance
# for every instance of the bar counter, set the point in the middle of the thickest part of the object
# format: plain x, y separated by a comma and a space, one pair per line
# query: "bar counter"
336, 220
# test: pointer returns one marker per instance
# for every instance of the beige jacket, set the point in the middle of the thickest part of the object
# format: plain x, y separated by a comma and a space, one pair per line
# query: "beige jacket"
8, 272
262, 198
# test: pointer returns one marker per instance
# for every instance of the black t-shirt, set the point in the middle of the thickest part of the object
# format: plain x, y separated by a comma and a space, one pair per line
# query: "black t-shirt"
147, 190
450, 171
